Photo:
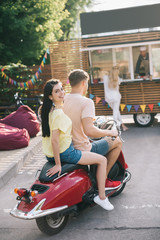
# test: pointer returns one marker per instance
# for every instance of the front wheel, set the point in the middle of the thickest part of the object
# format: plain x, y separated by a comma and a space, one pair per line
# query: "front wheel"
119, 190
51, 224
144, 119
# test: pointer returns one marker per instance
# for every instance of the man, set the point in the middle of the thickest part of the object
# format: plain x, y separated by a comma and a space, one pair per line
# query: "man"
81, 111
142, 65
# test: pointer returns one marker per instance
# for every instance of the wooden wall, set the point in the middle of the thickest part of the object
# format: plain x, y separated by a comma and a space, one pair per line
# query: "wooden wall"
66, 56
133, 93
121, 39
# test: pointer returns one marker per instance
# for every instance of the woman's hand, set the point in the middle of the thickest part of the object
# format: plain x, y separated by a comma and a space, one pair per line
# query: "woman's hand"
54, 170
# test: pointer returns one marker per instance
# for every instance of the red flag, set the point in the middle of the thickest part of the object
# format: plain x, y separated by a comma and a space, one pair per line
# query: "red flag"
151, 106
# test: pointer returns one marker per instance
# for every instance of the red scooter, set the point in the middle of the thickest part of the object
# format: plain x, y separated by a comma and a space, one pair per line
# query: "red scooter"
51, 200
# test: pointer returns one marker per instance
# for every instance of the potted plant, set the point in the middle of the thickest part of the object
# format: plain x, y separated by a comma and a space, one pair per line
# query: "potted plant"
95, 74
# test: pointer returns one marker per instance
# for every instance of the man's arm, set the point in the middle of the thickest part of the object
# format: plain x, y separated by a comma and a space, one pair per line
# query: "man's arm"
91, 131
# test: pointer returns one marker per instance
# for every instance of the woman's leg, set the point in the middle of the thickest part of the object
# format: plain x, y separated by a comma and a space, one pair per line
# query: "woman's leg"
116, 112
94, 158
89, 158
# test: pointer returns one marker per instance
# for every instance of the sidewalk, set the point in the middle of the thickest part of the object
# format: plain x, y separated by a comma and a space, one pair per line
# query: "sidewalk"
11, 161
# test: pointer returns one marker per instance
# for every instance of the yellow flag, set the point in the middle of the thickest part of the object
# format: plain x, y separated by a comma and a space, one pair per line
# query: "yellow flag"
122, 107
42, 64
143, 107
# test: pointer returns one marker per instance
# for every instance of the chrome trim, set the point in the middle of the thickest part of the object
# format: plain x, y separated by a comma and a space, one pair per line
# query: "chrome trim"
59, 177
36, 212
127, 177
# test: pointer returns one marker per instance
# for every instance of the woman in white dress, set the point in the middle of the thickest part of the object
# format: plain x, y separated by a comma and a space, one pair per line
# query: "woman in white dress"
112, 94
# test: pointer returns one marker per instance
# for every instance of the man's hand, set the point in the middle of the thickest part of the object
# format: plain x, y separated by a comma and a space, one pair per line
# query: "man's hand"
113, 133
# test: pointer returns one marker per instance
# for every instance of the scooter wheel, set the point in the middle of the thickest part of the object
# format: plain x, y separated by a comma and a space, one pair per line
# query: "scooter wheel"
119, 190
51, 224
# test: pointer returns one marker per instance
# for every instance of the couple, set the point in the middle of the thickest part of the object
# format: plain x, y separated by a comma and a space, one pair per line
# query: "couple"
65, 128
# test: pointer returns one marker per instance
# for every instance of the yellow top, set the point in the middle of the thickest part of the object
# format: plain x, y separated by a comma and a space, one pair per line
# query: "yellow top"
58, 120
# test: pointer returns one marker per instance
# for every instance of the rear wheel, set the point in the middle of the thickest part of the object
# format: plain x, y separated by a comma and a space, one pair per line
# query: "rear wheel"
51, 224
144, 119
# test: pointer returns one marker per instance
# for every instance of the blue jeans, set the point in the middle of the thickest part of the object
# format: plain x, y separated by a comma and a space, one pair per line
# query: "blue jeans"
100, 146
70, 155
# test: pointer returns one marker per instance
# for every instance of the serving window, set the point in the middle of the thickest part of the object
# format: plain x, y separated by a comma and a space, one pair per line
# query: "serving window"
131, 66
123, 61
156, 60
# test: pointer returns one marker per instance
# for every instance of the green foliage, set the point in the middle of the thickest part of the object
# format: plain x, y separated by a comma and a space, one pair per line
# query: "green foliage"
19, 73
26, 28
74, 7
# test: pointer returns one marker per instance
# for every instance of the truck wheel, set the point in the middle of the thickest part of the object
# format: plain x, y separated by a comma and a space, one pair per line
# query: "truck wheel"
51, 224
144, 119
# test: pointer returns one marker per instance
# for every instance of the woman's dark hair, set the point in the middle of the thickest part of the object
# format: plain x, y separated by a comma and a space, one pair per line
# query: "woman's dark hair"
47, 105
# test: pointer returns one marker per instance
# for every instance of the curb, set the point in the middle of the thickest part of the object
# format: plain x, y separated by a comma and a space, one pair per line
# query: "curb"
19, 159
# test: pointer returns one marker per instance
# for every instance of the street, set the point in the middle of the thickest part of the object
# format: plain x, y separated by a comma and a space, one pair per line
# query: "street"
137, 208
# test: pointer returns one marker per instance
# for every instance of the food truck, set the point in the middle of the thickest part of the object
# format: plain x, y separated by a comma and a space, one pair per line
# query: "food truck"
117, 37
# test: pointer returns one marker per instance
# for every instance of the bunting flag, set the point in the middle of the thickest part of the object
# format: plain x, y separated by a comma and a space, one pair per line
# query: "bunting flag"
98, 99
67, 82
91, 96
143, 107
103, 102
129, 107
151, 106
29, 82
122, 107
136, 107
159, 104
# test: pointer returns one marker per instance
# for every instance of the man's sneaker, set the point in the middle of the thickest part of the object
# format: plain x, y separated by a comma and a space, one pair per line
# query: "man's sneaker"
103, 203
112, 184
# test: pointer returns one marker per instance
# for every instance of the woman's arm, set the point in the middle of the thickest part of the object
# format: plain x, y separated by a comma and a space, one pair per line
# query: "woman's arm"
56, 150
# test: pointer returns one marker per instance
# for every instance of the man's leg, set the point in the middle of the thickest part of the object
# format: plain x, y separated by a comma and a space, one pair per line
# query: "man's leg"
113, 153
105, 147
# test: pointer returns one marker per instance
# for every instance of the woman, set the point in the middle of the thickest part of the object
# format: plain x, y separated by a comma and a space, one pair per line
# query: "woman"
112, 94
57, 140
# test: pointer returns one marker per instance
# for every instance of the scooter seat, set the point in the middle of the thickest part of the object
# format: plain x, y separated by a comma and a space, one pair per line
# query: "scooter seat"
66, 167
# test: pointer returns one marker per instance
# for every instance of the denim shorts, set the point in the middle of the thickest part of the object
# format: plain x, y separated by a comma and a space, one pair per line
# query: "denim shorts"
100, 146
70, 155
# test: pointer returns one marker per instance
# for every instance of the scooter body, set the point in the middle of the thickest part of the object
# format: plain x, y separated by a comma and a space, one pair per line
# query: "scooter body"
57, 197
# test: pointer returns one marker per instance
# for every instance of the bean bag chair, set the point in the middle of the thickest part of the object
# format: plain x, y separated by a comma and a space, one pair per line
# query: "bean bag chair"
24, 117
13, 138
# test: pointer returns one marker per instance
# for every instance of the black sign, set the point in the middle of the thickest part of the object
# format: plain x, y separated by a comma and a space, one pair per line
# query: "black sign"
120, 19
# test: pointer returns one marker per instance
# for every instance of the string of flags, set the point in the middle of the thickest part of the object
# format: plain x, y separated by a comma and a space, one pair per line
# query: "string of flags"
33, 79
122, 106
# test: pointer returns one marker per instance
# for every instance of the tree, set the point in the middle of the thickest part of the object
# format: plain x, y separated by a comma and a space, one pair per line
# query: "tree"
26, 28
74, 7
